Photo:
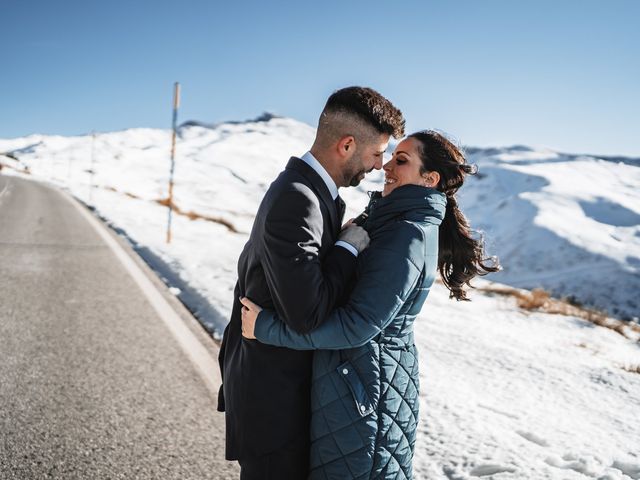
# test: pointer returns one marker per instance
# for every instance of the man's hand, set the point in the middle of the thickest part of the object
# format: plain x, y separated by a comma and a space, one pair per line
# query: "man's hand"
355, 236
347, 223
250, 313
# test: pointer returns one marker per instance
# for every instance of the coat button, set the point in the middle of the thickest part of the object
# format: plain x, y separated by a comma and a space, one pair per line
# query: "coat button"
362, 408
345, 371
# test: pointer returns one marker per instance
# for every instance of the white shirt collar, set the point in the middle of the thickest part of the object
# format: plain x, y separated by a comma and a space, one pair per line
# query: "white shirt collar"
310, 160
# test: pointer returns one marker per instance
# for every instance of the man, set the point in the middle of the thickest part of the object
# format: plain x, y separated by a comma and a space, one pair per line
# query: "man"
298, 262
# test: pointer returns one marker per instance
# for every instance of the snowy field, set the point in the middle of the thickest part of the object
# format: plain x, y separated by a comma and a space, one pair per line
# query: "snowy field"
506, 394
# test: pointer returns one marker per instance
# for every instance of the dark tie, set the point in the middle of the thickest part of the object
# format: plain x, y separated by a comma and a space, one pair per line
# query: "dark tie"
340, 208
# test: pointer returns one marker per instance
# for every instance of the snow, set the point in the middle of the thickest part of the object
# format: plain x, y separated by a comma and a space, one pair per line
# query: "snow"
510, 394
505, 393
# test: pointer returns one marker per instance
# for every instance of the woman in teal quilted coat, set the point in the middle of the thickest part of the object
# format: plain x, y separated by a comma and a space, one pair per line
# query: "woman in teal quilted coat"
365, 373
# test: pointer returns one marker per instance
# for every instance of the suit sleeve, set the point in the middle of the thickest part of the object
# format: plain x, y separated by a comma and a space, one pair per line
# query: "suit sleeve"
221, 405
387, 278
303, 289
221, 354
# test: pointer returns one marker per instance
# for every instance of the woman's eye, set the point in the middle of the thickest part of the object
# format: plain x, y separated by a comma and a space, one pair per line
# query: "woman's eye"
400, 161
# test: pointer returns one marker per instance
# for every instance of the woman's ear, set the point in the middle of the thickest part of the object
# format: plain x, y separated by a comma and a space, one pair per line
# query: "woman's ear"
431, 179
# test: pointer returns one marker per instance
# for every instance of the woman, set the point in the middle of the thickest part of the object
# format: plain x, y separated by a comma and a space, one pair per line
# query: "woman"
365, 373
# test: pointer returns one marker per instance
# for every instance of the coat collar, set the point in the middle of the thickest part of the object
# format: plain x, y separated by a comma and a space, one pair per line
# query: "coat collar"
411, 202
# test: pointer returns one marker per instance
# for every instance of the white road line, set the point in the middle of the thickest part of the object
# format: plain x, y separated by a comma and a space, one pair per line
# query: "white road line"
205, 364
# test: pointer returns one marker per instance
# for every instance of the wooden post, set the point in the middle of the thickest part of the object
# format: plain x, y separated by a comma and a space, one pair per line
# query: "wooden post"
93, 165
176, 104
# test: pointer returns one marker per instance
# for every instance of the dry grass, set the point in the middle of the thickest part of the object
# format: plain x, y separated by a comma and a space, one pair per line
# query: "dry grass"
535, 300
631, 368
197, 216
177, 210
542, 301
109, 188
25, 170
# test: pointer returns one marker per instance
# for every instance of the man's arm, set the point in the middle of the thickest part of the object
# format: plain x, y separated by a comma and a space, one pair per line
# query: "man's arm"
221, 405
303, 289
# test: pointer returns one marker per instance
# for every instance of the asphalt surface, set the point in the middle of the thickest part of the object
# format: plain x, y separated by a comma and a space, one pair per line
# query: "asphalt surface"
92, 384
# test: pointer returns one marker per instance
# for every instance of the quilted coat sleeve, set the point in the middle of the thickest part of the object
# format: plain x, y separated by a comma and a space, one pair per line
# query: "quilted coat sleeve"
387, 276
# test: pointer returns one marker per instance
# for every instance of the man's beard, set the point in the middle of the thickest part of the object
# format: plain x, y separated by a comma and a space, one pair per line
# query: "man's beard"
354, 172
355, 180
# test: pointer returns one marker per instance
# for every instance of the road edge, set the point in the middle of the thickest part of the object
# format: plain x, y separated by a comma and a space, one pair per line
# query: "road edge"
199, 347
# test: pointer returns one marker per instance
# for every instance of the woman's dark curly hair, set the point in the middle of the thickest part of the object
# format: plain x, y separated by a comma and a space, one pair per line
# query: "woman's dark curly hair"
460, 256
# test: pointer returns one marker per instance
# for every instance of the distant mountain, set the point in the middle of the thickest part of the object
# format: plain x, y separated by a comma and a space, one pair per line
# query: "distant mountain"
264, 117
565, 222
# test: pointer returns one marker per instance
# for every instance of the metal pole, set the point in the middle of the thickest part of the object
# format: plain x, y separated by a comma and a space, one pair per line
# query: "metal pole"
176, 104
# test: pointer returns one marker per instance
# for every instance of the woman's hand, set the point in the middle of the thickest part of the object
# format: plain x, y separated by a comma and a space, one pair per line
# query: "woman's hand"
250, 313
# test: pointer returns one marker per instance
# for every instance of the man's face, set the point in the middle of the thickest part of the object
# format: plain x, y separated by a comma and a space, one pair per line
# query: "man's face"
365, 158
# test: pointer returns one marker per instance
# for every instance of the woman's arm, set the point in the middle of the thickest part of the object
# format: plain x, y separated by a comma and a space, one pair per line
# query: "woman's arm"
386, 278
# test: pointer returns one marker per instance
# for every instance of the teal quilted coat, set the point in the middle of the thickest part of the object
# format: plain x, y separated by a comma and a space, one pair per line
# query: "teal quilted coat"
365, 372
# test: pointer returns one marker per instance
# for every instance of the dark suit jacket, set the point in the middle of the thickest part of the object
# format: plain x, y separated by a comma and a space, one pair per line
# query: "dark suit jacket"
289, 265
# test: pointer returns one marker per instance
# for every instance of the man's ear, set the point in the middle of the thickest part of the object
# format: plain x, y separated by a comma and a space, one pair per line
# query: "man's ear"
346, 146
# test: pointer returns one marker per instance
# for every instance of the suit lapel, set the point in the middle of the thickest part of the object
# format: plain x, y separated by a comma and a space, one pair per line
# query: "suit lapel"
320, 188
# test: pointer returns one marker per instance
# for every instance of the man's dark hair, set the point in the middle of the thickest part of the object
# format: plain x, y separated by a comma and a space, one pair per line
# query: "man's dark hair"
369, 106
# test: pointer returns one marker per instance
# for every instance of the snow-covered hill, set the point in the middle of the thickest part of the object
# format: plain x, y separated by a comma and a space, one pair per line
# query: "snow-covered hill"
505, 393
567, 223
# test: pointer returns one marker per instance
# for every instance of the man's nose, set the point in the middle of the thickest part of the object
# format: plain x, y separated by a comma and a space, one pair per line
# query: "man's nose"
378, 164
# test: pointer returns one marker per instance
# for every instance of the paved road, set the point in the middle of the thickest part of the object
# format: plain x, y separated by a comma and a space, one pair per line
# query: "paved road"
92, 384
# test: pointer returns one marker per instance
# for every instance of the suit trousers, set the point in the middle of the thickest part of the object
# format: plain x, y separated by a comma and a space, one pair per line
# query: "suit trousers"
289, 463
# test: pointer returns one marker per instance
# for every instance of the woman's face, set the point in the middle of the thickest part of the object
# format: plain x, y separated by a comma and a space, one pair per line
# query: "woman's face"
404, 167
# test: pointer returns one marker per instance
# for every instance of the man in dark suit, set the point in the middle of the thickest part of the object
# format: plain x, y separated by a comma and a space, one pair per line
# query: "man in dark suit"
297, 261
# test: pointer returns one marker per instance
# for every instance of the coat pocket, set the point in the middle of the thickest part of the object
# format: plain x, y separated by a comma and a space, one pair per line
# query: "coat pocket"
364, 406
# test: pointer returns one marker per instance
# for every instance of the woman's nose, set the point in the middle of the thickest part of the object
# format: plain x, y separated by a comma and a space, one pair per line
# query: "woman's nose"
387, 166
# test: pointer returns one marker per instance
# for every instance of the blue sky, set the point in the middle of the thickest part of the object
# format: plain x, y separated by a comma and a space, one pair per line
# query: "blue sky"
560, 74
